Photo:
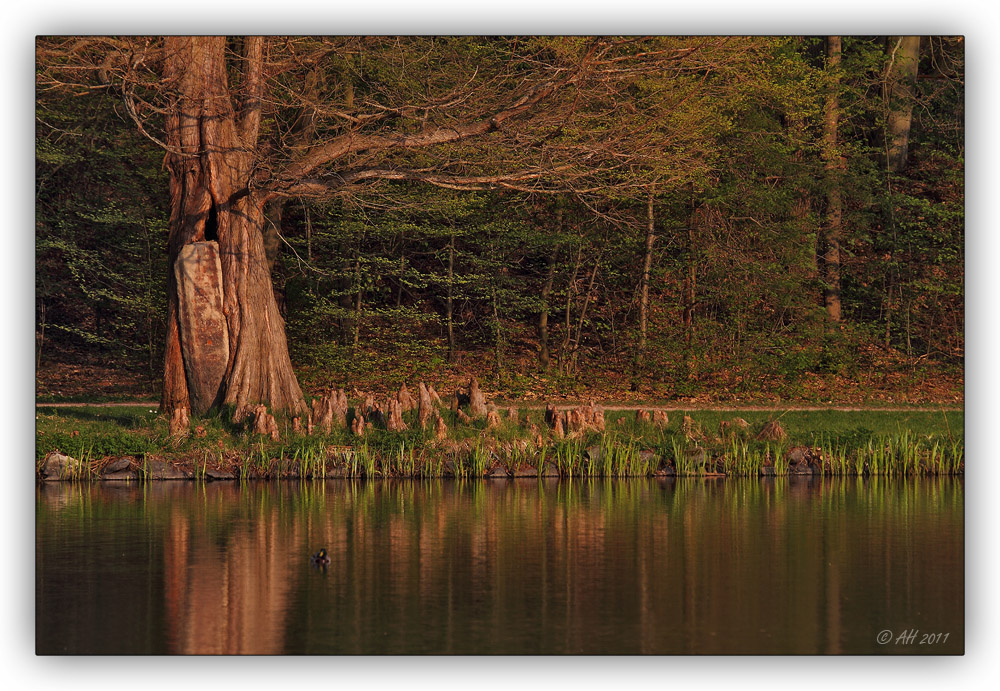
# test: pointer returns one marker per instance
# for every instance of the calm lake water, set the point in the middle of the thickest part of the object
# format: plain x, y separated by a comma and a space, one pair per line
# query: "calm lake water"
775, 565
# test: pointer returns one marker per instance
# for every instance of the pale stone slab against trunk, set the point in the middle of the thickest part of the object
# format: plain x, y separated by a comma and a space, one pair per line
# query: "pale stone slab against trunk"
204, 332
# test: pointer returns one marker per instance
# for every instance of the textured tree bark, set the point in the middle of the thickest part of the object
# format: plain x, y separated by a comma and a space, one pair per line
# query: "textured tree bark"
211, 164
425, 405
835, 164
477, 401
405, 398
203, 329
395, 423
901, 75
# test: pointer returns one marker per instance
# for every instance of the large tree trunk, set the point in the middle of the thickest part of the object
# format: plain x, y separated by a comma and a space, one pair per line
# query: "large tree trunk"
211, 162
835, 164
901, 75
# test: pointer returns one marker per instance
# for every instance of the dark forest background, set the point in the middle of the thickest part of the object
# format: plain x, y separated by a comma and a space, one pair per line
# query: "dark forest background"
707, 275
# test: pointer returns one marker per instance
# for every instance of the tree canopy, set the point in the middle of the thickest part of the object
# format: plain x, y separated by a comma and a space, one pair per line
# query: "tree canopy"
651, 213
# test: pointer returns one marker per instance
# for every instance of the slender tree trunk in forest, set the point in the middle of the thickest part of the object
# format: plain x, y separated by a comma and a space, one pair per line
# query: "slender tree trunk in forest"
647, 264
570, 294
39, 334
211, 163
497, 334
901, 76
357, 303
544, 355
687, 318
449, 303
690, 290
583, 310
835, 164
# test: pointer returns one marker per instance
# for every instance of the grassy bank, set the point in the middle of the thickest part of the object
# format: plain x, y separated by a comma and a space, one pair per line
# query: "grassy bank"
903, 442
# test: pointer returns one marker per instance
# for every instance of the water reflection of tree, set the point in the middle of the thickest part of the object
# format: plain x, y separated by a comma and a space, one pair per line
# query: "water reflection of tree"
229, 568
792, 565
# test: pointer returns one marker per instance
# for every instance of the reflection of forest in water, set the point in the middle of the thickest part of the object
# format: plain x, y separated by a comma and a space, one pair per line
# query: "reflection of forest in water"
812, 565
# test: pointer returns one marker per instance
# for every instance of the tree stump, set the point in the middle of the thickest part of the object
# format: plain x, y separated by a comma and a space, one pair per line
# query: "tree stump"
322, 413
643, 416
296, 425
598, 423
339, 406
179, 423
394, 423
660, 418
595, 416
492, 416
358, 424
477, 402
575, 421
440, 429
425, 406
435, 398
512, 414
550, 415
463, 418
264, 423
558, 430
406, 401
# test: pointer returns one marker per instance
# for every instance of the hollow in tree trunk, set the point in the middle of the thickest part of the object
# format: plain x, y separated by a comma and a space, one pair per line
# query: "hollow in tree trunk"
211, 162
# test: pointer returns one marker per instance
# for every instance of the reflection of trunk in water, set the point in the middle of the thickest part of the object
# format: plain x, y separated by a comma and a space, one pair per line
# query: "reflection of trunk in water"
784, 565
229, 601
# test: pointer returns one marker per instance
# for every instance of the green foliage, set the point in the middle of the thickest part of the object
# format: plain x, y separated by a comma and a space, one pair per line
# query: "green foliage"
101, 229
396, 281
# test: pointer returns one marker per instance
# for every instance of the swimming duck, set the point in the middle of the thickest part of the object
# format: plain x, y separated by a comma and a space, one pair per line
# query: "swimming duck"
321, 558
